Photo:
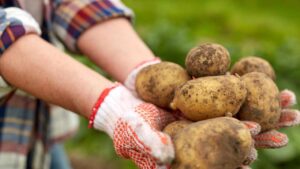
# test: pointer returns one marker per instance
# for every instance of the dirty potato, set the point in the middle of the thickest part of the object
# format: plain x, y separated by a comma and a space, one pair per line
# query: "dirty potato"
219, 143
210, 97
173, 128
262, 103
156, 83
208, 59
253, 64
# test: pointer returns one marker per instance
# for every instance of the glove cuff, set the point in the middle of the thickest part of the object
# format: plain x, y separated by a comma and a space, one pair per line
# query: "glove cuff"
112, 103
130, 80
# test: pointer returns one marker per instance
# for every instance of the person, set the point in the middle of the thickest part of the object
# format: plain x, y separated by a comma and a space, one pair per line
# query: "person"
36, 74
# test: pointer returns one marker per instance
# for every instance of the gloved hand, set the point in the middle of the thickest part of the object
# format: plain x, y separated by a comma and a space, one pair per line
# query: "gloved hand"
269, 139
289, 117
134, 127
273, 138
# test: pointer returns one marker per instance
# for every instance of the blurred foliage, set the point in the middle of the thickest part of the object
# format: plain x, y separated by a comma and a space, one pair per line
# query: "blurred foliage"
265, 28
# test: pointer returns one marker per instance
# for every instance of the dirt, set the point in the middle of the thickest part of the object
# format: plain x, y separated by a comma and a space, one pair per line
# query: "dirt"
207, 59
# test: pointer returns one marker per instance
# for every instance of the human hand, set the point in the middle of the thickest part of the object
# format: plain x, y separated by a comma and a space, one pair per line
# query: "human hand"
289, 117
273, 138
134, 127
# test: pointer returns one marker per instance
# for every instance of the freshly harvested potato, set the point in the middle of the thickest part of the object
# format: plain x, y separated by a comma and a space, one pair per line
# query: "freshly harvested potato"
262, 103
208, 59
173, 128
253, 64
210, 97
219, 143
156, 83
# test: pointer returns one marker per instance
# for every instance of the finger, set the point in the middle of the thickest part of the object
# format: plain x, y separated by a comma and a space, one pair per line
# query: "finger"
271, 139
251, 157
253, 127
289, 117
148, 140
287, 98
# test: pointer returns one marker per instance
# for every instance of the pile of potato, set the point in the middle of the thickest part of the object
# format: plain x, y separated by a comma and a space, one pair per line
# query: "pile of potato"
211, 99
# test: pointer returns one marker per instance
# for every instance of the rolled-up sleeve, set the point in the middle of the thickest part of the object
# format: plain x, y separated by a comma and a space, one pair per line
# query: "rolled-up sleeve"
72, 17
14, 23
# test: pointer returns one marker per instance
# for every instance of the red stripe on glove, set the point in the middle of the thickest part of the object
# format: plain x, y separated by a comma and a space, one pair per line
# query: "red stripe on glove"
98, 104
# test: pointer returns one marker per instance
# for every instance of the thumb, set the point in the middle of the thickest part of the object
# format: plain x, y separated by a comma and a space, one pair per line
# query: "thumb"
150, 141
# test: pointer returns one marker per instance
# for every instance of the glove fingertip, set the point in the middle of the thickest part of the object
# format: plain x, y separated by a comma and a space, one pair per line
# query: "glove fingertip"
271, 139
251, 157
254, 127
287, 98
289, 117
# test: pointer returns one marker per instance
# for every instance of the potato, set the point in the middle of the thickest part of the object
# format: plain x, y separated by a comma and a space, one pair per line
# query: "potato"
208, 59
262, 103
173, 128
210, 97
220, 143
253, 64
156, 83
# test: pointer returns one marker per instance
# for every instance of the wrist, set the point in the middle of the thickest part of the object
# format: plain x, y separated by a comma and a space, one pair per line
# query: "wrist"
111, 105
98, 103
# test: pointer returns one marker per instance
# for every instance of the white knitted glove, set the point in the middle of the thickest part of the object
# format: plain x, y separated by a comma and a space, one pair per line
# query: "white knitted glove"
134, 127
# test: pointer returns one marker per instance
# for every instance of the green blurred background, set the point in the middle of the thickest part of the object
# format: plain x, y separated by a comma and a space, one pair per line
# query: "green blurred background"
265, 28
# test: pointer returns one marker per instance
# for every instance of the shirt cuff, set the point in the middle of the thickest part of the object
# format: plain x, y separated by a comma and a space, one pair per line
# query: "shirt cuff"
14, 23
72, 18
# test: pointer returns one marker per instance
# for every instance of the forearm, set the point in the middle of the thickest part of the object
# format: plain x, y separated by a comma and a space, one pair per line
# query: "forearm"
114, 46
38, 68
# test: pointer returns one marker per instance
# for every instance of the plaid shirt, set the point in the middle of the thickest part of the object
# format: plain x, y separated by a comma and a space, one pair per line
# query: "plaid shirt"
27, 128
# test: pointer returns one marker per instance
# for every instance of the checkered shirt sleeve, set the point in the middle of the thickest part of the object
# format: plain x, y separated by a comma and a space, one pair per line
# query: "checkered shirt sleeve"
72, 17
